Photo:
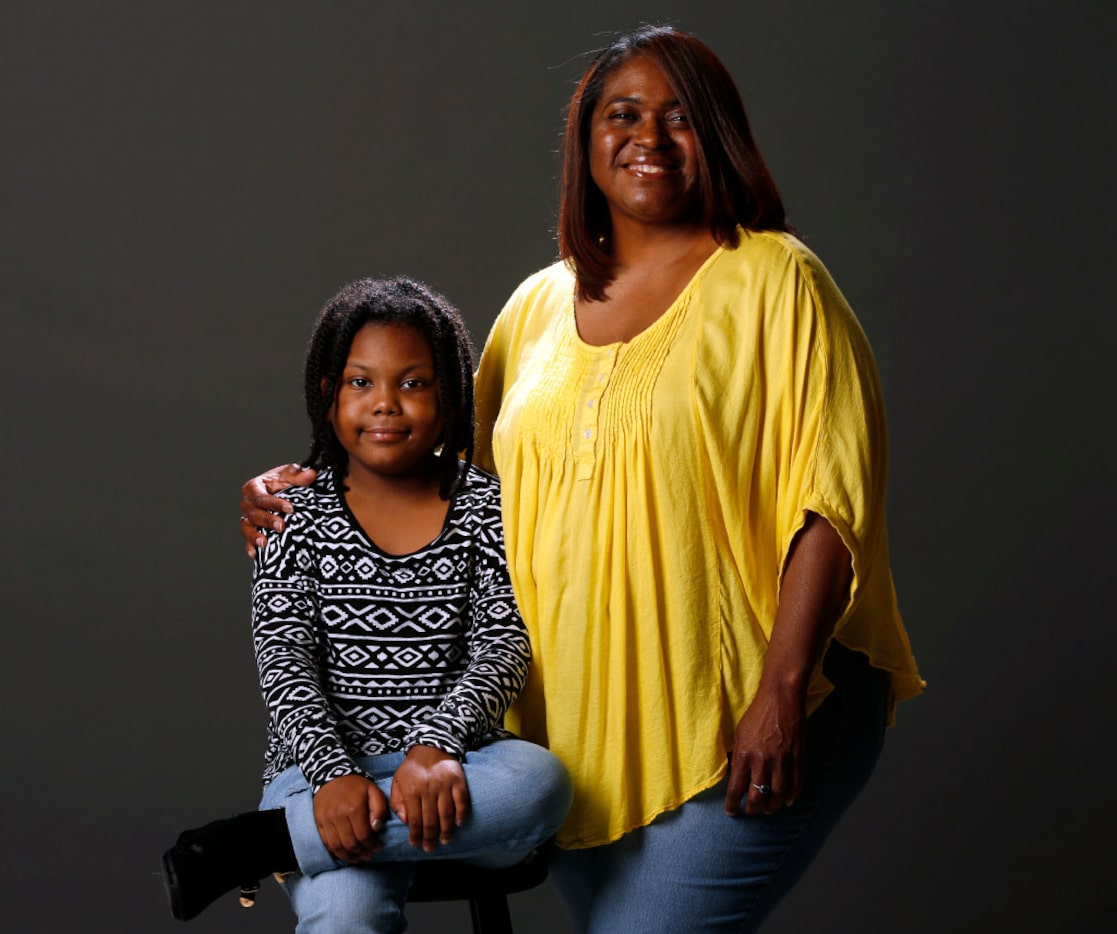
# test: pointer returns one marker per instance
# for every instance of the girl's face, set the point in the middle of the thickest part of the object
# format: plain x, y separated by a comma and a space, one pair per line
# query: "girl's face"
643, 152
386, 414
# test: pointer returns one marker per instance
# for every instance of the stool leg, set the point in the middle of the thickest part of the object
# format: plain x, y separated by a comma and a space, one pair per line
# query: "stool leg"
490, 915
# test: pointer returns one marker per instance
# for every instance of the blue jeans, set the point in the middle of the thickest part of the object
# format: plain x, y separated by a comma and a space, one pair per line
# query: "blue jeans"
519, 794
697, 870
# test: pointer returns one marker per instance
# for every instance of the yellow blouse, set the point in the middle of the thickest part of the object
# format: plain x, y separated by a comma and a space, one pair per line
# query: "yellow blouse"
651, 491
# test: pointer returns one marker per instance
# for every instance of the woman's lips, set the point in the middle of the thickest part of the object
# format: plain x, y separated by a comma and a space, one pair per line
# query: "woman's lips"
648, 169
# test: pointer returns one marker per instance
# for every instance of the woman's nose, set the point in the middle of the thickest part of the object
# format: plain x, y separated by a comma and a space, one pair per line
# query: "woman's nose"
650, 133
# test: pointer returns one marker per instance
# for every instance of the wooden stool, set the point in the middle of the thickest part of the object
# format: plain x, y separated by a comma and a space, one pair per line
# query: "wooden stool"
486, 890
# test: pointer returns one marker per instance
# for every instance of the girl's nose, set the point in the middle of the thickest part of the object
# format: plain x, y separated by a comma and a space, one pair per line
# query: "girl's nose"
385, 402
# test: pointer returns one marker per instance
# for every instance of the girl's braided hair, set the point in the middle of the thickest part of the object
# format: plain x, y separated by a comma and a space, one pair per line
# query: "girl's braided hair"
399, 301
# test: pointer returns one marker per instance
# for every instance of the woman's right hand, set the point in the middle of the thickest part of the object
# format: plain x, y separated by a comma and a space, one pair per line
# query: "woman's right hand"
350, 812
261, 510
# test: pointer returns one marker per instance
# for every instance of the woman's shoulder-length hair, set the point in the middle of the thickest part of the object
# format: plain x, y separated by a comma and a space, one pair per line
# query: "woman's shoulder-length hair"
735, 186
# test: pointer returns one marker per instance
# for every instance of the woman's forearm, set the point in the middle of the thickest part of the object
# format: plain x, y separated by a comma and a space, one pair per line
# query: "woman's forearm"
813, 593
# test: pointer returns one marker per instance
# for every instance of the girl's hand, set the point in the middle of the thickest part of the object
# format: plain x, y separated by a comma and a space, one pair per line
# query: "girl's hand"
766, 767
350, 811
261, 510
430, 795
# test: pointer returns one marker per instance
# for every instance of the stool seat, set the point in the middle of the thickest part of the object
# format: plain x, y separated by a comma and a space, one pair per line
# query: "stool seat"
443, 880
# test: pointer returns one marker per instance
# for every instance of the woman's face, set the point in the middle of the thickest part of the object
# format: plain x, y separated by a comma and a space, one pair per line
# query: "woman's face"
643, 151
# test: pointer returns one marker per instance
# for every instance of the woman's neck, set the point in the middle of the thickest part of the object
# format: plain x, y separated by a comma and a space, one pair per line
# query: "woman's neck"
636, 245
651, 272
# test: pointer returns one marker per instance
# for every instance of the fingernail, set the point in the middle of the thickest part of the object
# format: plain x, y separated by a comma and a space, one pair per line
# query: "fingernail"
378, 825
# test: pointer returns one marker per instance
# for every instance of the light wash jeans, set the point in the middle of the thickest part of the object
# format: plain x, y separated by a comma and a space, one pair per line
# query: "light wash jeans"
519, 794
697, 870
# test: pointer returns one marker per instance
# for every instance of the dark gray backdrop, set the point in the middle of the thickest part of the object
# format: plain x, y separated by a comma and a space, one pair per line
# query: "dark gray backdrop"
184, 184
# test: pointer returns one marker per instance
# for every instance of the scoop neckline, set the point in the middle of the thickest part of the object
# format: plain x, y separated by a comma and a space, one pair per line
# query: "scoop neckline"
339, 491
668, 313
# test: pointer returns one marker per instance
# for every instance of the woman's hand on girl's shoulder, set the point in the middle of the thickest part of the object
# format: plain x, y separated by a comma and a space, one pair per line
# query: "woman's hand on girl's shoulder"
349, 812
260, 510
430, 795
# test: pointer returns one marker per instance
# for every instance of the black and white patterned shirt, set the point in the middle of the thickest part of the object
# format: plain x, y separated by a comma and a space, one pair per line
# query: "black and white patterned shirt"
362, 653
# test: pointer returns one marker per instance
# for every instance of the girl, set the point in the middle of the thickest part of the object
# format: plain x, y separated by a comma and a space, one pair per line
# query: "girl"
387, 638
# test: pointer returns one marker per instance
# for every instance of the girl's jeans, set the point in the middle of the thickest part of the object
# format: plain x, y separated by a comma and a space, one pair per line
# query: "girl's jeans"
518, 794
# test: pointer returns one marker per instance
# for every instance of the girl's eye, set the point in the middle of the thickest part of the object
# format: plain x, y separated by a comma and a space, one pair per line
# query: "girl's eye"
414, 383
359, 382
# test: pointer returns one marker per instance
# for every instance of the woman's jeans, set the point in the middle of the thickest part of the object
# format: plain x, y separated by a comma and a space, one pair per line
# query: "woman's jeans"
698, 870
519, 794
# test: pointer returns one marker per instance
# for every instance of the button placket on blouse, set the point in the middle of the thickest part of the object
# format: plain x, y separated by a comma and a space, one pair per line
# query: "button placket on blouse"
587, 421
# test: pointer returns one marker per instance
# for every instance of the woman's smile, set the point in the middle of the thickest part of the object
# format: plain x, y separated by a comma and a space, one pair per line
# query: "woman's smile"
649, 169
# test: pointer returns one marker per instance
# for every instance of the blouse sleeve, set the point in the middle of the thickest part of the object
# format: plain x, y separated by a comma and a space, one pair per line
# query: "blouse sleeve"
488, 390
499, 650
794, 418
836, 462
515, 332
284, 613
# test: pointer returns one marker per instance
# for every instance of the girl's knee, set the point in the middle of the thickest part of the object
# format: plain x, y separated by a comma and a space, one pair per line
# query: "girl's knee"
561, 790
525, 780
541, 769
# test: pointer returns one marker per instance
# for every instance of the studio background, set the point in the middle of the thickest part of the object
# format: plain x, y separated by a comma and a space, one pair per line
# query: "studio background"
184, 185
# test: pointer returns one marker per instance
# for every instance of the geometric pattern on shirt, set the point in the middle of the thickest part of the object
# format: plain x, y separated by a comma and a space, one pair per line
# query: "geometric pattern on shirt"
361, 652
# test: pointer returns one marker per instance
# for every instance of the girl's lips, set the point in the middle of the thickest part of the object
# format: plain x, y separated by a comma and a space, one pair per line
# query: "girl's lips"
384, 434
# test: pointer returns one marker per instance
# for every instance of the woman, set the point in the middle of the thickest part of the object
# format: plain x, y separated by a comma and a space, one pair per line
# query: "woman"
687, 424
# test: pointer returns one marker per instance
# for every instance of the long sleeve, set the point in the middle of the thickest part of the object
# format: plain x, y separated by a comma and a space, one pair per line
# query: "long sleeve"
284, 614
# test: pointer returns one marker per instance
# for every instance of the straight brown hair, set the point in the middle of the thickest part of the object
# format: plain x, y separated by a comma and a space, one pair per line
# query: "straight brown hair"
735, 187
